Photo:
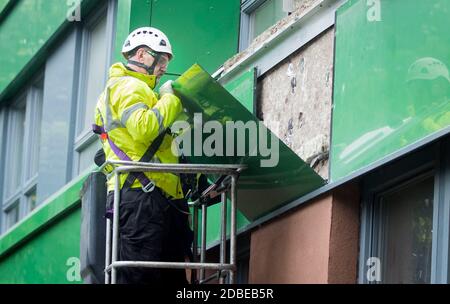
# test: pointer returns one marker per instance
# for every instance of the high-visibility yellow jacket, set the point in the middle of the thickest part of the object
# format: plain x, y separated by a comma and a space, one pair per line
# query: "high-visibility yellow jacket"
133, 118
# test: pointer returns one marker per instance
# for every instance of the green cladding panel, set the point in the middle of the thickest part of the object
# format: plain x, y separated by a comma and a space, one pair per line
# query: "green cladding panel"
141, 13
203, 31
3, 4
243, 89
122, 27
51, 257
392, 83
275, 175
45, 246
131, 14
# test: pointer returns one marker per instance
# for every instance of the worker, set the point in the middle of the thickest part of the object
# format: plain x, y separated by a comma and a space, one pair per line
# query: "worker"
428, 83
428, 100
133, 123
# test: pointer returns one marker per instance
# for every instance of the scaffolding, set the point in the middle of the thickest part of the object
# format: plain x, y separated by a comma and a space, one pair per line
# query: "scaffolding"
224, 272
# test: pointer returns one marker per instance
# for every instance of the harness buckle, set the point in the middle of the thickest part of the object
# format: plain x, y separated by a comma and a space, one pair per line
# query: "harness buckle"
149, 187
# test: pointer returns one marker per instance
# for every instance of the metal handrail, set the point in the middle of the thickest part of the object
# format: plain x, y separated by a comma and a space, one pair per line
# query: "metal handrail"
111, 256
170, 265
131, 166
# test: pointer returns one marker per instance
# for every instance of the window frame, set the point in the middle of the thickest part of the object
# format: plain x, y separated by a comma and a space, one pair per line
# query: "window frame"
5, 210
429, 160
33, 117
10, 199
248, 7
379, 232
29, 99
84, 138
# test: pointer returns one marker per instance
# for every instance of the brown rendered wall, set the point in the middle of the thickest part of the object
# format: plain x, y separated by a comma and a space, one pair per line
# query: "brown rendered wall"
344, 239
317, 243
293, 248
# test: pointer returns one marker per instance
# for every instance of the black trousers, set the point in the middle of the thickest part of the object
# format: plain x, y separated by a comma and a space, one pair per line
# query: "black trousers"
152, 228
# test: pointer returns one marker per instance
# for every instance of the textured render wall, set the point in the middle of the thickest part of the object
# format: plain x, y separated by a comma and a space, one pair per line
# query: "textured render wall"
344, 236
294, 248
317, 243
294, 101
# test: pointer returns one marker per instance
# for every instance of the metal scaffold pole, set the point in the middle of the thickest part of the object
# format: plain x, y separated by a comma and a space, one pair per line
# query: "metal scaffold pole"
223, 235
115, 234
233, 230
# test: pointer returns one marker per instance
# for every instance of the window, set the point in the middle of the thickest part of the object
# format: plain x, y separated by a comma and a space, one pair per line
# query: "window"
22, 136
11, 215
58, 118
95, 72
406, 222
257, 16
14, 148
405, 219
96, 53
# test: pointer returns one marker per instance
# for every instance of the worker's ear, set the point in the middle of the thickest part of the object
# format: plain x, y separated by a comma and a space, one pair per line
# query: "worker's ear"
140, 54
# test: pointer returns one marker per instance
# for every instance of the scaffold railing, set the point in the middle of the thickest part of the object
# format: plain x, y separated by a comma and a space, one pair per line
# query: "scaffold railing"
225, 271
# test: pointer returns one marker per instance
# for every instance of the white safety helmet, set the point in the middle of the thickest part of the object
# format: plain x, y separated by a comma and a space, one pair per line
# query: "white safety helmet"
150, 37
427, 68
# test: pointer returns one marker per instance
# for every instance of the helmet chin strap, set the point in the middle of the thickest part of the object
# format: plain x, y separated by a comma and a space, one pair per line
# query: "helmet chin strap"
150, 69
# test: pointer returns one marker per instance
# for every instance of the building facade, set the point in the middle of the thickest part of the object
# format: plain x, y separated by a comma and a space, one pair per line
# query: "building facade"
358, 89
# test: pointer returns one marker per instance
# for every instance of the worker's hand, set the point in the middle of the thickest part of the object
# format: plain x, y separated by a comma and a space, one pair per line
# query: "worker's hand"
166, 88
